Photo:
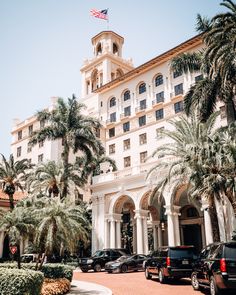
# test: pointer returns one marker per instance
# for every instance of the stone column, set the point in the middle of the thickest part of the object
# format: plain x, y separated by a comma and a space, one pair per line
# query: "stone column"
94, 223
176, 215
112, 233
118, 234
155, 239
106, 232
171, 227
207, 223
1, 243
160, 242
134, 236
145, 235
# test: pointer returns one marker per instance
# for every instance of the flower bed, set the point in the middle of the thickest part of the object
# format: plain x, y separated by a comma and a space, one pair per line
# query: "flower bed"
55, 287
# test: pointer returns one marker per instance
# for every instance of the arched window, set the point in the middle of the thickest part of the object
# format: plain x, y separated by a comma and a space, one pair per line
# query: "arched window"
158, 80
99, 49
142, 88
126, 95
115, 48
112, 102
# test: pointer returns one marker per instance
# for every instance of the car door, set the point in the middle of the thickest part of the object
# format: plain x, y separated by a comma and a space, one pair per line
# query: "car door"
153, 262
140, 260
200, 265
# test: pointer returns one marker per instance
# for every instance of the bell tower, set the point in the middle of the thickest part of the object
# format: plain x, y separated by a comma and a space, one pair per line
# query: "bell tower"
107, 63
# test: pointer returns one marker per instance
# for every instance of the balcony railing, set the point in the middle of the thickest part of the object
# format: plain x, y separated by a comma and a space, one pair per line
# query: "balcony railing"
140, 109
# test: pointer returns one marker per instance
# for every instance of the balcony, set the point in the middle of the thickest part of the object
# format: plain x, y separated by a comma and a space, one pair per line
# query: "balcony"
140, 109
124, 116
158, 101
110, 122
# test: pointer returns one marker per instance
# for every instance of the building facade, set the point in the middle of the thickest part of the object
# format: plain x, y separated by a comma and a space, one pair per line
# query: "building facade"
134, 104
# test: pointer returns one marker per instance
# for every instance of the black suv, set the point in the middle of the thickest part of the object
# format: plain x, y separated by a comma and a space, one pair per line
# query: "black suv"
216, 268
100, 258
170, 262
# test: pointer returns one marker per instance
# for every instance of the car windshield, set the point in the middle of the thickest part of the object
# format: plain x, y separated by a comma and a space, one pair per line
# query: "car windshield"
122, 258
230, 251
182, 253
98, 253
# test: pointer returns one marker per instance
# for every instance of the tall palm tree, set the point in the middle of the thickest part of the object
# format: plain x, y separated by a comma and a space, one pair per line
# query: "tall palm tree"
216, 61
17, 226
60, 225
76, 130
188, 142
13, 175
47, 178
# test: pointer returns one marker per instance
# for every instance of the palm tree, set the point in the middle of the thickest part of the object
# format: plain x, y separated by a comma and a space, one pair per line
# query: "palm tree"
77, 132
13, 175
18, 226
60, 226
187, 149
216, 61
47, 178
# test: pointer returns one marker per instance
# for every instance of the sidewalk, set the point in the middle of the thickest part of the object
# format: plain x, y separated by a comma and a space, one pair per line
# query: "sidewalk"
86, 288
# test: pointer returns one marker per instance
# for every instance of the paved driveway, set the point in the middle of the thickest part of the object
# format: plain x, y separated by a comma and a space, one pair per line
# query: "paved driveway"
136, 284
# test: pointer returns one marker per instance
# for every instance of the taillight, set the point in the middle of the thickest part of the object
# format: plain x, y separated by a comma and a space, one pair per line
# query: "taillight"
167, 261
223, 267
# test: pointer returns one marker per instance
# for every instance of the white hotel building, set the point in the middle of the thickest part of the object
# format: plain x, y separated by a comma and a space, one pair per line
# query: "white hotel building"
133, 104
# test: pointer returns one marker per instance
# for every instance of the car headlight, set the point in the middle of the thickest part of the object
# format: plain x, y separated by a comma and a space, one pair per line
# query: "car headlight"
90, 261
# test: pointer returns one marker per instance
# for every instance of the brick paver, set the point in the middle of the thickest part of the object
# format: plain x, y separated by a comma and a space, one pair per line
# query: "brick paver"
136, 284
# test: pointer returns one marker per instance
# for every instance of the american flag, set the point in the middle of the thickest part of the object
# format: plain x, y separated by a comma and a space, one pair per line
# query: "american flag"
99, 13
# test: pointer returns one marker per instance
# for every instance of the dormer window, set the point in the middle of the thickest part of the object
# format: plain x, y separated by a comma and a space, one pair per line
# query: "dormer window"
112, 102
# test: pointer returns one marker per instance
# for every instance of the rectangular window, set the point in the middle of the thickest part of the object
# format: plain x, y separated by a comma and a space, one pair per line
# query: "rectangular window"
127, 162
159, 114
222, 112
113, 117
127, 111
42, 124
20, 135
126, 143
142, 121
41, 143
198, 78
177, 74
18, 151
143, 157
40, 158
29, 148
160, 97
112, 149
143, 138
178, 107
126, 126
97, 132
142, 104
112, 132
179, 89
30, 130
159, 132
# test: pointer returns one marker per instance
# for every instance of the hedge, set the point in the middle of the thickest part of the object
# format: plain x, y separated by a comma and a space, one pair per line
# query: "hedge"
50, 270
20, 281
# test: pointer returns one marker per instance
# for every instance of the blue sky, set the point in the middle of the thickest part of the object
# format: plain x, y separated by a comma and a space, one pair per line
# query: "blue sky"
44, 43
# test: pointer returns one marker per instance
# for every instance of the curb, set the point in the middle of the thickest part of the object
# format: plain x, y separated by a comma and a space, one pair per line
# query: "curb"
82, 287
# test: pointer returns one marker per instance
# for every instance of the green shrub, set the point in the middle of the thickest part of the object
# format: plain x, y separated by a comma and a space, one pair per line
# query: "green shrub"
20, 281
50, 270
57, 271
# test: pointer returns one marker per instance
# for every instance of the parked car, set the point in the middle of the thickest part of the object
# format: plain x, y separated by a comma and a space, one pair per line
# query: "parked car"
125, 264
29, 258
99, 259
170, 262
216, 268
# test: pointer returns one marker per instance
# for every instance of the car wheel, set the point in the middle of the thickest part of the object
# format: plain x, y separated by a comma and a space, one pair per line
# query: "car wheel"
162, 278
214, 290
194, 281
97, 267
84, 269
147, 274
124, 268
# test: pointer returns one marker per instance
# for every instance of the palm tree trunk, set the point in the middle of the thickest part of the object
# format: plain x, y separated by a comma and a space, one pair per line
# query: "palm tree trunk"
230, 111
64, 179
18, 256
11, 201
214, 220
